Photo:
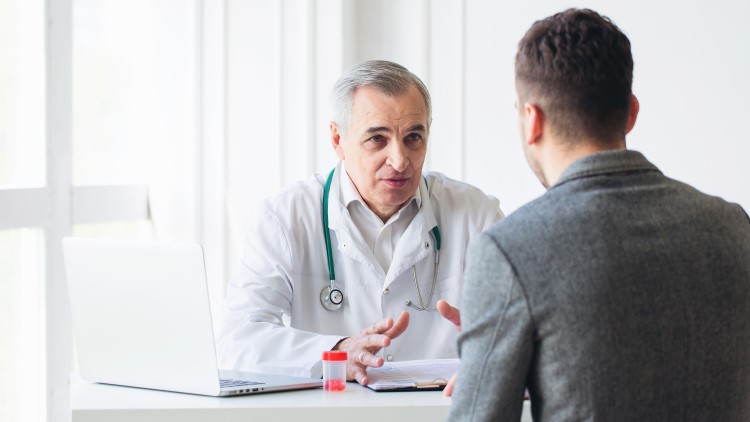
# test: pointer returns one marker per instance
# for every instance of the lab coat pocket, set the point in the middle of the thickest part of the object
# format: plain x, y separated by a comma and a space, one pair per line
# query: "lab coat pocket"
449, 288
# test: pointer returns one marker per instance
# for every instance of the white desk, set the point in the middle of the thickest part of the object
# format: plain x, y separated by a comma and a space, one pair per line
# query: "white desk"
98, 402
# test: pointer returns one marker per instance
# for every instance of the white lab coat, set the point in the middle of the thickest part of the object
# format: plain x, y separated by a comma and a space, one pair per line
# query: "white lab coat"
284, 267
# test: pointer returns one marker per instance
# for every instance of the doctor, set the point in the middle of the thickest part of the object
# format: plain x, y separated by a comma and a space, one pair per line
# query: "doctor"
334, 259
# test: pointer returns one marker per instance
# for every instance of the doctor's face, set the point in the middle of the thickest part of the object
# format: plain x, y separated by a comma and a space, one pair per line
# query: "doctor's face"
384, 147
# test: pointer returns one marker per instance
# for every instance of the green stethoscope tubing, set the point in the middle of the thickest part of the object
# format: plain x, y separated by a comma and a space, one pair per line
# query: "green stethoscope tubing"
329, 251
326, 230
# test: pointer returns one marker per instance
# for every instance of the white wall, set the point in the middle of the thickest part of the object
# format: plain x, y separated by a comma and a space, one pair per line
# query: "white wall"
691, 63
283, 57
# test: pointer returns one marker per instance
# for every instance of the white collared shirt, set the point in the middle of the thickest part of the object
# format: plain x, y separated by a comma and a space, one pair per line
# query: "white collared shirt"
381, 237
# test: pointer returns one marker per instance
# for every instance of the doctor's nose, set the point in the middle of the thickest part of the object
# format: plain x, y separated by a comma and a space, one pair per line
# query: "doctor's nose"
397, 158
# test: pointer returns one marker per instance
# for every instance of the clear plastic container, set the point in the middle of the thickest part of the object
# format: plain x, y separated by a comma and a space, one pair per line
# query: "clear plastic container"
334, 370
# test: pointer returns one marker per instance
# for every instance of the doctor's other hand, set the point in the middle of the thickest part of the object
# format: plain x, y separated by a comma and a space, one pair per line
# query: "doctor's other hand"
362, 347
449, 312
453, 315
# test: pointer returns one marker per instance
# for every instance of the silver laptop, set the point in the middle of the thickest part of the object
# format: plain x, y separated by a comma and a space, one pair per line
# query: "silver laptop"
141, 318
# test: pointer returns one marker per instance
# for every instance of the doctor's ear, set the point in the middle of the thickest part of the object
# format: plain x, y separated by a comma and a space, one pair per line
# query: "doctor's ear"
336, 139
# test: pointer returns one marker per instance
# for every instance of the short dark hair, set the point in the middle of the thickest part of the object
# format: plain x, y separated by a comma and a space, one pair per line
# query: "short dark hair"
576, 66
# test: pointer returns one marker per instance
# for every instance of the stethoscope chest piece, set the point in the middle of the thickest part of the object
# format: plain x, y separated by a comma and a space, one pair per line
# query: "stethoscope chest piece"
331, 298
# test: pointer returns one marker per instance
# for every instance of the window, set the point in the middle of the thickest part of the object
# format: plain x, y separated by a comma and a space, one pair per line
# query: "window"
22, 100
103, 145
21, 336
22, 117
134, 106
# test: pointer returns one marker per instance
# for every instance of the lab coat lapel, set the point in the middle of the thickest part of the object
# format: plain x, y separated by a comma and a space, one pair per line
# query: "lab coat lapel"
416, 244
344, 235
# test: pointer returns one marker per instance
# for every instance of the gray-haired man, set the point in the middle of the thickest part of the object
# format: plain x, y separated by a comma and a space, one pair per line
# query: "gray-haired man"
393, 236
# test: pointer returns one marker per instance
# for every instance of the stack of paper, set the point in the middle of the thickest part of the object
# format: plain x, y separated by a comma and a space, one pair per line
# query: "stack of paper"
432, 374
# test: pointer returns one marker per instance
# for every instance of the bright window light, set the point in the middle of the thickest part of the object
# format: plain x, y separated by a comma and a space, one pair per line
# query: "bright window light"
134, 96
21, 338
22, 93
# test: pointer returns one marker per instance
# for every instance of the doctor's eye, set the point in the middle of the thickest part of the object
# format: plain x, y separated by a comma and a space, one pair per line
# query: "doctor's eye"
414, 140
377, 139
413, 137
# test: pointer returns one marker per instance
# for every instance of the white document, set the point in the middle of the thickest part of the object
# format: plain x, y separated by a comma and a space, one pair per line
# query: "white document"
431, 374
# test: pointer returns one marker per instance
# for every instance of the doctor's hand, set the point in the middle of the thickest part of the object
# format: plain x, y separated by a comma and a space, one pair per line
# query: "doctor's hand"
362, 347
449, 312
453, 315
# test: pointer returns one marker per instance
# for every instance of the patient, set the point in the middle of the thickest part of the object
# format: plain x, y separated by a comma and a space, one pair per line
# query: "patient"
618, 295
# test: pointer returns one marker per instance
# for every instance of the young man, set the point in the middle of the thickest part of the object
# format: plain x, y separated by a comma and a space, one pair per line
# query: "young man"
618, 295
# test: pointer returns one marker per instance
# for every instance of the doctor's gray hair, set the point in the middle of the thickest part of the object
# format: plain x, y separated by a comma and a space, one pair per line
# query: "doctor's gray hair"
387, 77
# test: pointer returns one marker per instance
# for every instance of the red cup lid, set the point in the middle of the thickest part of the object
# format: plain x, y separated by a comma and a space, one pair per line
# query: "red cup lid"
336, 355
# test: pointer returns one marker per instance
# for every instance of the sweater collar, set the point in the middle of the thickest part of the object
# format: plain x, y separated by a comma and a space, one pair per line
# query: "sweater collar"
605, 162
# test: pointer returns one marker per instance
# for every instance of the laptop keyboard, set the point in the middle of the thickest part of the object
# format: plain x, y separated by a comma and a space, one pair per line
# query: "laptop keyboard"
226, 383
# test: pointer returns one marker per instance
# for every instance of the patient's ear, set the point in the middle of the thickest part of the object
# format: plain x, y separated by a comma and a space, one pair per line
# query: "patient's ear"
635, 106
533, 123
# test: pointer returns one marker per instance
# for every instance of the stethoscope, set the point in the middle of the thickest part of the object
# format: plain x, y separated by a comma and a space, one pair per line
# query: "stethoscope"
331, 297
